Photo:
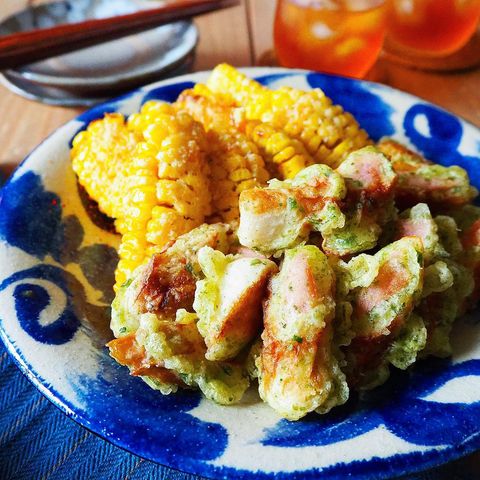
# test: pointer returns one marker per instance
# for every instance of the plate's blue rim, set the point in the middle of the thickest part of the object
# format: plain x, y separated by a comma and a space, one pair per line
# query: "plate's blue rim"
429, 459
388, 472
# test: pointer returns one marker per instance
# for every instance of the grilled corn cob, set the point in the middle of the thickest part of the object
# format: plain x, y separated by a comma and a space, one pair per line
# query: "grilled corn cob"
287, 155
327, 132
284, 156
167, 185
236, 164
212, 110
101, 159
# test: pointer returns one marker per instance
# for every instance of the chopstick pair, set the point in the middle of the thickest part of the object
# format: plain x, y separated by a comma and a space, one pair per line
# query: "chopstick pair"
23, 48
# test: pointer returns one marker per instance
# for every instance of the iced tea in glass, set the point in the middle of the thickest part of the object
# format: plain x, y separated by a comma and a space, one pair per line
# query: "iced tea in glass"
431, 27
335, 36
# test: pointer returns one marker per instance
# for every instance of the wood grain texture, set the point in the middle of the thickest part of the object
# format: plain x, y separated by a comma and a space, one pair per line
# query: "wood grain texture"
25, 125
261, 14
224, 37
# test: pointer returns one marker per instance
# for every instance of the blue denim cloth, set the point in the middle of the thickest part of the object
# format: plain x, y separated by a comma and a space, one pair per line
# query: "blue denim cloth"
37, 441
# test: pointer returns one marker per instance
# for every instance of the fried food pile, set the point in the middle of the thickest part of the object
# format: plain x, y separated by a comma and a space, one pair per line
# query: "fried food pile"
266, 237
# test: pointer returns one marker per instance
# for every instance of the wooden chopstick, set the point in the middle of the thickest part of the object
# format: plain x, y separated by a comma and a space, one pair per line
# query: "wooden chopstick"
23, 48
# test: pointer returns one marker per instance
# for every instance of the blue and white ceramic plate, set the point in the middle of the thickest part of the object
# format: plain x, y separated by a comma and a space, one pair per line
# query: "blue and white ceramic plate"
57, 257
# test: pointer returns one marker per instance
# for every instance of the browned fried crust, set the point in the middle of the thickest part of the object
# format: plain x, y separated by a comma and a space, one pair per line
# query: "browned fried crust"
166, 286
397, 153
128, 352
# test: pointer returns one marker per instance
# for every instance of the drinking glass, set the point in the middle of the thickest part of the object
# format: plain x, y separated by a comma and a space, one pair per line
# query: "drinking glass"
335, 36
430, 28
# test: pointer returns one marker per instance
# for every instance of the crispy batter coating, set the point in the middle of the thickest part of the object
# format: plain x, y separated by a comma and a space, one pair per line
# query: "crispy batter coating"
169, 279
383, 294
420, 180
368, 205
229, 301
284, 213
298, 371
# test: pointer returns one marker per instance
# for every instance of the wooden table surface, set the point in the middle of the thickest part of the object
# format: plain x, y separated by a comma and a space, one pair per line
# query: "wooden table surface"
240, 36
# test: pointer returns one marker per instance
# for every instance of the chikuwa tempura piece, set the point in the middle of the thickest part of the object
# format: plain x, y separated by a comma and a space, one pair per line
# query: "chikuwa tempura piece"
129, 353
383, 293
368, 172
180, 348
441, 308
298, 370
368, 205
446, 284
460, 237
228, 301
283, 214
418, 221
422, 181
153, 302
468, 220
167, 282
168, 354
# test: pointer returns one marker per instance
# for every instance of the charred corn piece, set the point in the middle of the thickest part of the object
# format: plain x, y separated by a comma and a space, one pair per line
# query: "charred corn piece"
168, 185
212, 110
327, 132
420, 180
287, 155
233, 85
101, 157
235, 162
236, 166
